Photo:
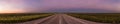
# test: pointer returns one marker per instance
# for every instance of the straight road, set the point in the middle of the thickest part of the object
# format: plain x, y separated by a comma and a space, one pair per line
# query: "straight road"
59, 19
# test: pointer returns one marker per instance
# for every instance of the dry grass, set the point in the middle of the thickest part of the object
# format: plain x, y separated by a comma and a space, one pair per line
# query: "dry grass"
14, 18
98, 17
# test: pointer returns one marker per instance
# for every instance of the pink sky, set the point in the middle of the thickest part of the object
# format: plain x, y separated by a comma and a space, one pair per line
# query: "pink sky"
14, 6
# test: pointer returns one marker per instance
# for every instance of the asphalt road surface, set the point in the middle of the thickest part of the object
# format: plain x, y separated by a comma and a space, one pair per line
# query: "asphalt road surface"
60, 19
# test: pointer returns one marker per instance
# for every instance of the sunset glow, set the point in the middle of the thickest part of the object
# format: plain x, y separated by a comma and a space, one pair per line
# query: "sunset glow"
9, 8
20, 6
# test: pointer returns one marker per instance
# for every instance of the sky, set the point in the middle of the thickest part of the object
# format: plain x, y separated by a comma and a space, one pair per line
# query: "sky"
81, 6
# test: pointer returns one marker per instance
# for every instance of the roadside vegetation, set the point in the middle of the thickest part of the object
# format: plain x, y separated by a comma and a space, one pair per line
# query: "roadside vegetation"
22, 17
98, 17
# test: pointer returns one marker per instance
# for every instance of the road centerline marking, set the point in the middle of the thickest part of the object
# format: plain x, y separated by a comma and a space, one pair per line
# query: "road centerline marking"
60, 20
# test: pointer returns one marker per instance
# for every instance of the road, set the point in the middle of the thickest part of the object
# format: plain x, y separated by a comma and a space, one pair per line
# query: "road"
59, 19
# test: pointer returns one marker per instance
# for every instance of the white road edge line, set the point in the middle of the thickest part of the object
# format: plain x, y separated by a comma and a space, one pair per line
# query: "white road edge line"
77, 20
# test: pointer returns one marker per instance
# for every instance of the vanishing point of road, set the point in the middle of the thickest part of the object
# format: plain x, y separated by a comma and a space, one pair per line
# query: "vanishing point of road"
60, 19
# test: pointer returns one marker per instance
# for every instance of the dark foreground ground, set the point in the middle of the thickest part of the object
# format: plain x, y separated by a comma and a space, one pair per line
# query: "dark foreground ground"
58, 19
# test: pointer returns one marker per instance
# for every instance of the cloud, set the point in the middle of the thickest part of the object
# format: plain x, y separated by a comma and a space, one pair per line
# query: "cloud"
47, 5
95, 4
77, 3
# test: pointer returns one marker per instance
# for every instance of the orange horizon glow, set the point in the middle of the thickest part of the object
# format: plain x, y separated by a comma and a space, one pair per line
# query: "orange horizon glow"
11, 11
9, 8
